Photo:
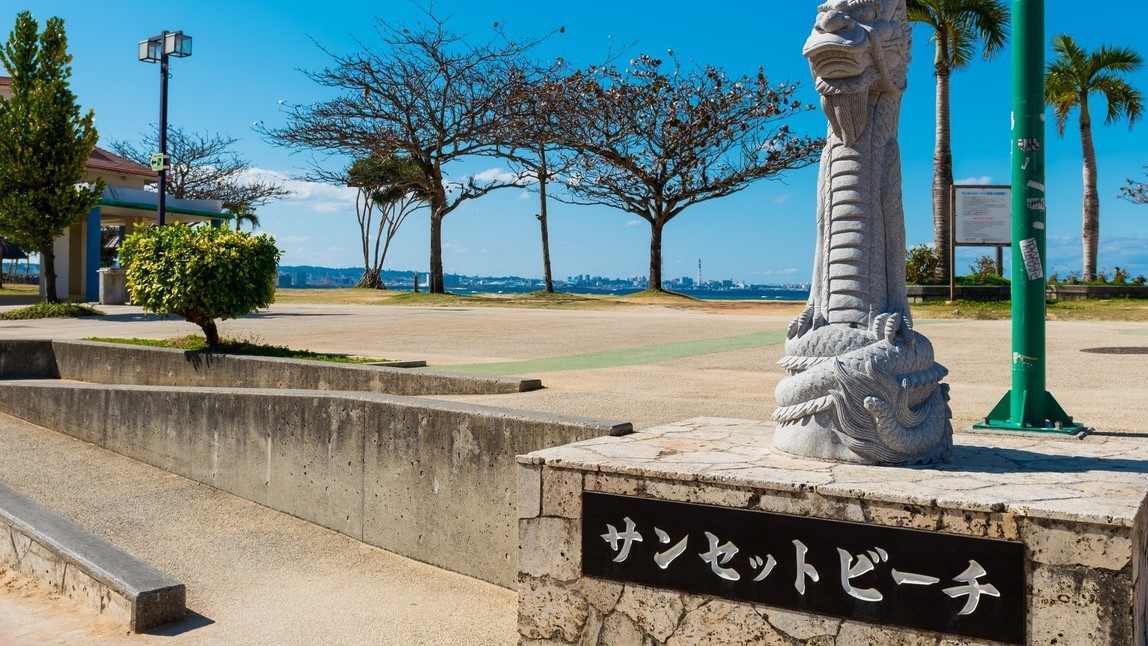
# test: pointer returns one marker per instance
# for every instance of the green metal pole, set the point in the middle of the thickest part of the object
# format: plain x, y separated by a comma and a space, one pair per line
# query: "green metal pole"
1028, 406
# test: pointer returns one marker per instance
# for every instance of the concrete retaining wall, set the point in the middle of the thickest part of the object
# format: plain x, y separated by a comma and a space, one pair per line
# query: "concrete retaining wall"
114, 363
46, 547
431, 480
21, 359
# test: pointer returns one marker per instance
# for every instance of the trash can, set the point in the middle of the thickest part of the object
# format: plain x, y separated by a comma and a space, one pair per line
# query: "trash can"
113, 286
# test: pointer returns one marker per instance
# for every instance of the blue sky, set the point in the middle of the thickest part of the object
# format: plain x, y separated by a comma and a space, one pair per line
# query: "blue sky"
249, 55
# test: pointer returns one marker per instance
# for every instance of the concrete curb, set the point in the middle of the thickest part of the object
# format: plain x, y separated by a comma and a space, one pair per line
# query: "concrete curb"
114, 363
45, 546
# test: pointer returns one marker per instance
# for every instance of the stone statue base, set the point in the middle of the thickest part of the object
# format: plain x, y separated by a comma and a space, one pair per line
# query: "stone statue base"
866, 396
815, 437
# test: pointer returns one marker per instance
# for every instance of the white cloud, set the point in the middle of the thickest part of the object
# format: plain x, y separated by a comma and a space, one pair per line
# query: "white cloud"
453, 248
316, 196
791, 271
782, 199
634, 223
526, 195
976, 181
499, 175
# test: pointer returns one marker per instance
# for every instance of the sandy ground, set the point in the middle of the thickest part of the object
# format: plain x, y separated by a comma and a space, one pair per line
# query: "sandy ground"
258, 576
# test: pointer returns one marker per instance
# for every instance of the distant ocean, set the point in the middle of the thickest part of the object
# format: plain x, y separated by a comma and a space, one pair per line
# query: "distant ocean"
765, 293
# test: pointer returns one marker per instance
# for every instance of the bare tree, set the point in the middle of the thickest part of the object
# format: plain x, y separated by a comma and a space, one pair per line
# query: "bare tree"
1136, 192
428, 93
390, 185
533, 143
206, 167
653, 141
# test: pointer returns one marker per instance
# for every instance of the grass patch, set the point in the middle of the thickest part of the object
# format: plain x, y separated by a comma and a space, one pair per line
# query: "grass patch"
344, 296
432, 300
1115, 309
197, 343
539, 299
46, 310
22, 289
659, 297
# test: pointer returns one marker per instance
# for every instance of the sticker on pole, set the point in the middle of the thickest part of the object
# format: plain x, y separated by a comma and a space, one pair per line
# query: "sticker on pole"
1031, 255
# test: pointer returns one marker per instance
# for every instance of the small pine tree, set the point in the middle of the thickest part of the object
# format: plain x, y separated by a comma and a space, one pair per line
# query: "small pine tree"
45, 145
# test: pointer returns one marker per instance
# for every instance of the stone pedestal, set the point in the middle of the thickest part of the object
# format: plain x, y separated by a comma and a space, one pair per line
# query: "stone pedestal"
1076, 507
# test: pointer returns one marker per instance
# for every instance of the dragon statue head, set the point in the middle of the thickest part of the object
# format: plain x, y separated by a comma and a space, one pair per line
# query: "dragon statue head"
857, 47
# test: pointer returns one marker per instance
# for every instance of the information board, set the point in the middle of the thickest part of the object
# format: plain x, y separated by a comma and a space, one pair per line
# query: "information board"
982, 215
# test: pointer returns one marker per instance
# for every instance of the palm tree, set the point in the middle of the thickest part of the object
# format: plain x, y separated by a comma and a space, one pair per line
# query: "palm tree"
1072, 77
243, 213
958, 25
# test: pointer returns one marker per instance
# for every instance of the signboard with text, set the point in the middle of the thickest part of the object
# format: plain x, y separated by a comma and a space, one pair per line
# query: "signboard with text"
959, 585
982, 215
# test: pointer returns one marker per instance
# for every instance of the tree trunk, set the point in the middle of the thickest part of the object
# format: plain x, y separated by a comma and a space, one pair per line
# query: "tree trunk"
372, 279
437, 200
435, 277
942, 178
210, 333
542, 221
1090, 211
656, 255
48, 272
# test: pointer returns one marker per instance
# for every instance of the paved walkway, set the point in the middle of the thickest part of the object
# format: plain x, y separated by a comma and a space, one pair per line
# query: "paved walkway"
259, 576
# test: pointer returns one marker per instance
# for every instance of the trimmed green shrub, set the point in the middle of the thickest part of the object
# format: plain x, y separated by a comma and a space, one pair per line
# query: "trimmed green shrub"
200, 273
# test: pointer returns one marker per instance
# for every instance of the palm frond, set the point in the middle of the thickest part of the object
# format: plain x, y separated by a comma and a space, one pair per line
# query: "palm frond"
1076, 73
961, 25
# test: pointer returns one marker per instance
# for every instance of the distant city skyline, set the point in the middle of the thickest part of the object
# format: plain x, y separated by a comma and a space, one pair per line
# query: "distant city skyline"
294, 276
248, 56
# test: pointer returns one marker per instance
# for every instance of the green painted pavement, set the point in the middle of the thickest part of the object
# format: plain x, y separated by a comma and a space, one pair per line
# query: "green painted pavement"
621, 357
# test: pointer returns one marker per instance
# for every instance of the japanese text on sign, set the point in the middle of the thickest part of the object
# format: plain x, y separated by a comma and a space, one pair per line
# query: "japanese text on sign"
982, 215
960, 585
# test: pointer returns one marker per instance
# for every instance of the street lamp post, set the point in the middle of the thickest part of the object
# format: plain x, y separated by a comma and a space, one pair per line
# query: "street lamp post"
158, 49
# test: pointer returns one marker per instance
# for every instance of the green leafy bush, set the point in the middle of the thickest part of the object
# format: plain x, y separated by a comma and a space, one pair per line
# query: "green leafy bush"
49, 310
921, 265
983, 272
200, 273
984, 269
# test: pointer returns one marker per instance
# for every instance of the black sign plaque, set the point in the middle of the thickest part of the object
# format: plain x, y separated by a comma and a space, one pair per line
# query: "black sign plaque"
958, 585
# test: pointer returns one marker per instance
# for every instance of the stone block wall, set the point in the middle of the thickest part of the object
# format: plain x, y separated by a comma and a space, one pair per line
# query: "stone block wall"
1078, 508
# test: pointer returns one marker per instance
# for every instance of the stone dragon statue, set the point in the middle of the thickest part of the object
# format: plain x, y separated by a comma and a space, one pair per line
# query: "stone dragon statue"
862, 385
